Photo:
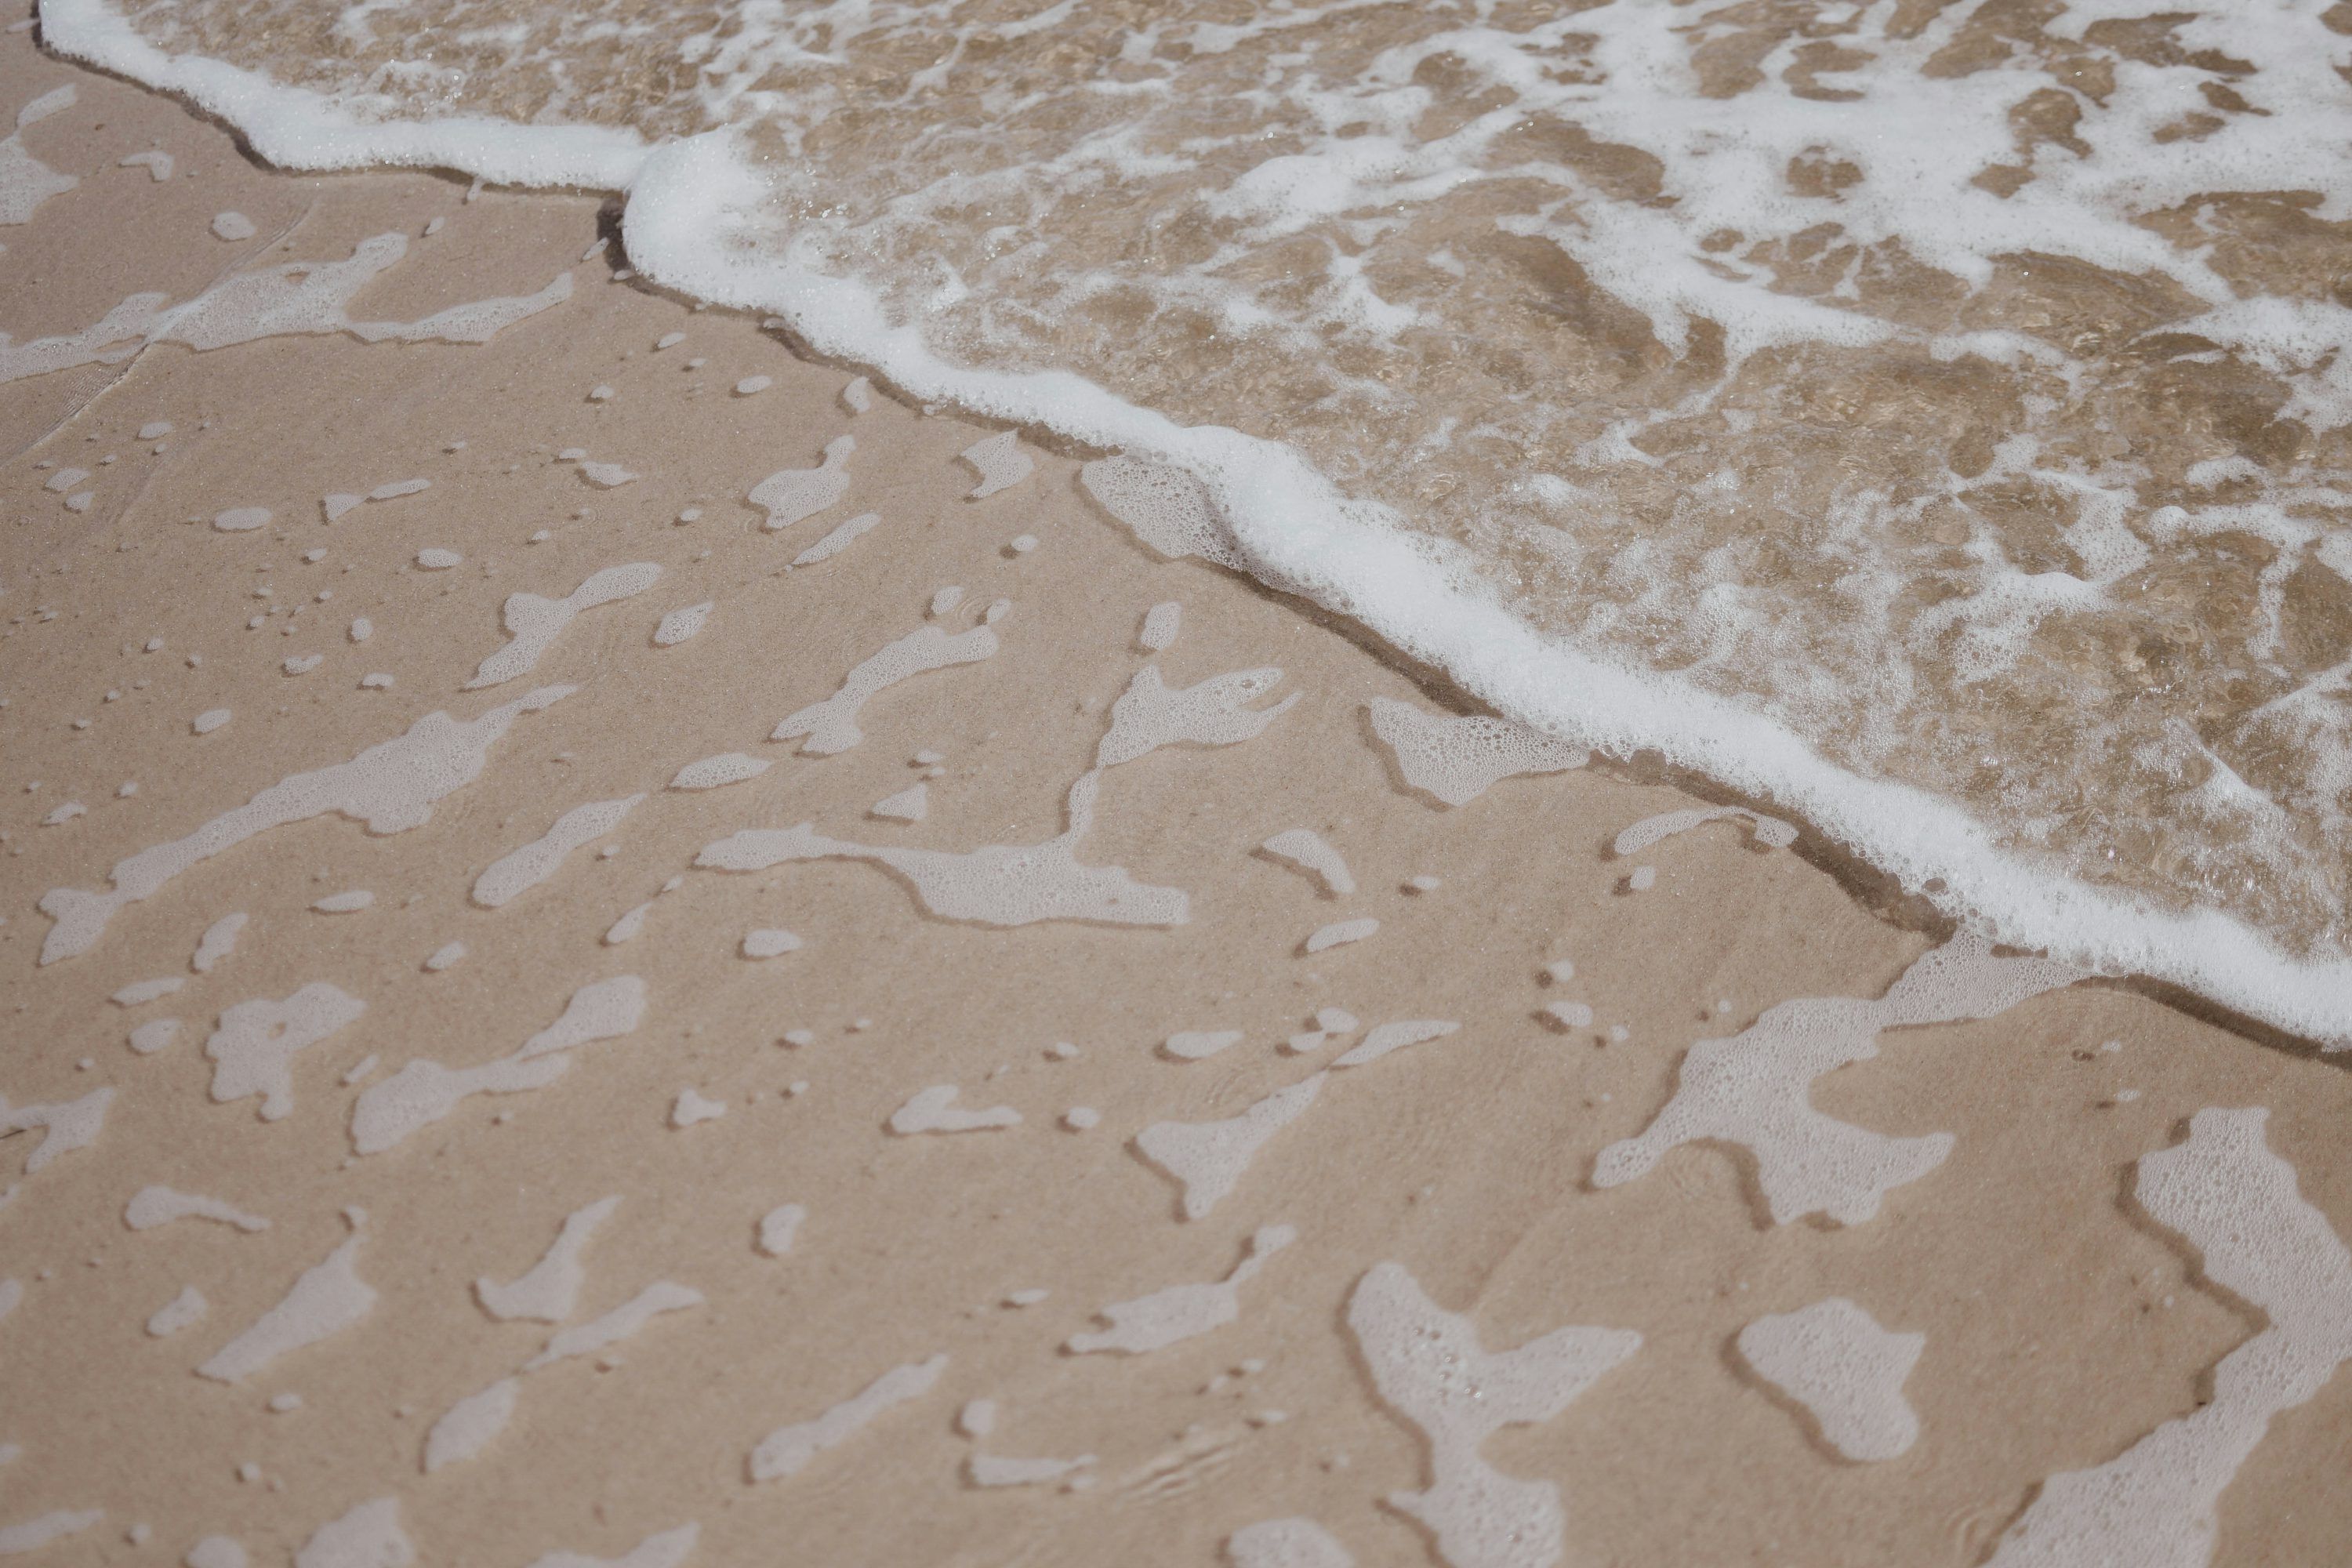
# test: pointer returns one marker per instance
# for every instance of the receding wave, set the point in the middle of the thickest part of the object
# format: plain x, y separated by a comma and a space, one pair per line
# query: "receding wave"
1935, 417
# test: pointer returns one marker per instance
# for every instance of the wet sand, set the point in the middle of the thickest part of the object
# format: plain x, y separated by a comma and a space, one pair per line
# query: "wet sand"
2061, 1323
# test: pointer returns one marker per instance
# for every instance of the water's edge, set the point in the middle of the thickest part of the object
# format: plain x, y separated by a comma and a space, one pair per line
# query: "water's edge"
684, 203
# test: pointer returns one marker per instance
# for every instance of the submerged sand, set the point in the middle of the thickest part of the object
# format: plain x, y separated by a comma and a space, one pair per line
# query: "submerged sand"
2062, 1315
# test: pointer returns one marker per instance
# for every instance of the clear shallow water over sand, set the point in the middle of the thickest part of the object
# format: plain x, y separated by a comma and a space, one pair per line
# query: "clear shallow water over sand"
1959, 390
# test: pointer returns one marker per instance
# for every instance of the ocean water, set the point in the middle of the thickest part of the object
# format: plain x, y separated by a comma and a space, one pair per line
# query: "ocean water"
1933, 419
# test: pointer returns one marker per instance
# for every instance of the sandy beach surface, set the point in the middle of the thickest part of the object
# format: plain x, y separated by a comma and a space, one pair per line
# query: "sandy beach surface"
896, 857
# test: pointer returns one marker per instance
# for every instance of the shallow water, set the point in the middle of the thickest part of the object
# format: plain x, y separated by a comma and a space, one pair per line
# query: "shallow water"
1961, 388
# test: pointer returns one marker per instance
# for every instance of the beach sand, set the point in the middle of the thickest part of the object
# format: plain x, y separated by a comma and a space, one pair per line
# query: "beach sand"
2062, 1322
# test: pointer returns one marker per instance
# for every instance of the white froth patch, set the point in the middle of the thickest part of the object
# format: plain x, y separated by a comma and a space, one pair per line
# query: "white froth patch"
327, 1297
1306, 849
788, 495
139, 992
25, 181
1833, 1359
715, 772
31, 1534
770, 943
184, 1310
253, 1049
158, 165
242, 518
217, 1551
1161, 625
788, 1450
1456, 760
999, 461
680, 624
1195, 1045
396, 489
1769, 831
369, 1536
998, 1470
345, 903
1287, 1544
1395, 1035
828, 728
934, 1109
217, 942
256, 302
520, 870
1163, 507
550, 1290
448, 955
151, 1206
1180, 1312
434, 558
467, 1427
691, 1109
1429, 1367
840, 538
1206, 1159
752, 385
909, 805
622, 1322
65, 1126
389, 788
857, 397
211, 718
2228, 1196
1215, 712
777, 1227
154, 1035
533, 622
669, 1549
233, 226
1339, 933
1753, 1089
425, 1091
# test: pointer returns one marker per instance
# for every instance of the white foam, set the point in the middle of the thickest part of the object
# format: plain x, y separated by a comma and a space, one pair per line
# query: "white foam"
425, 1091
1180, 1312
770, 943
1430, 1367
2238, 1204
519, 870
369, 1536
65, 1127
622, 1322
25, 181
1395, 1035
345, 903
1206, 1159
830, 727
158, 165
1214, 712
999, 461
208, 721
533, 622
1753, 1089
680, 624
841, 537
139, 992
154, 1035
446, 956
294, 297
787, 1450
151, 1206
233, 227
327, 1297
550, 1289
216, 1551
1161, 625
698, 207
998, 1470
1164, 507
857, 397
467, 1427
934, 1109
1287, 1544
1769, 831
909, 805
253, 1049
1339, 933
217, 942
788, 495
183, 1311
1306, 849
691, 1109
27, 1535
390, 787
1455, 760
1195, 1045
1833, 1359
669, 1549
778, 1227
713, 772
